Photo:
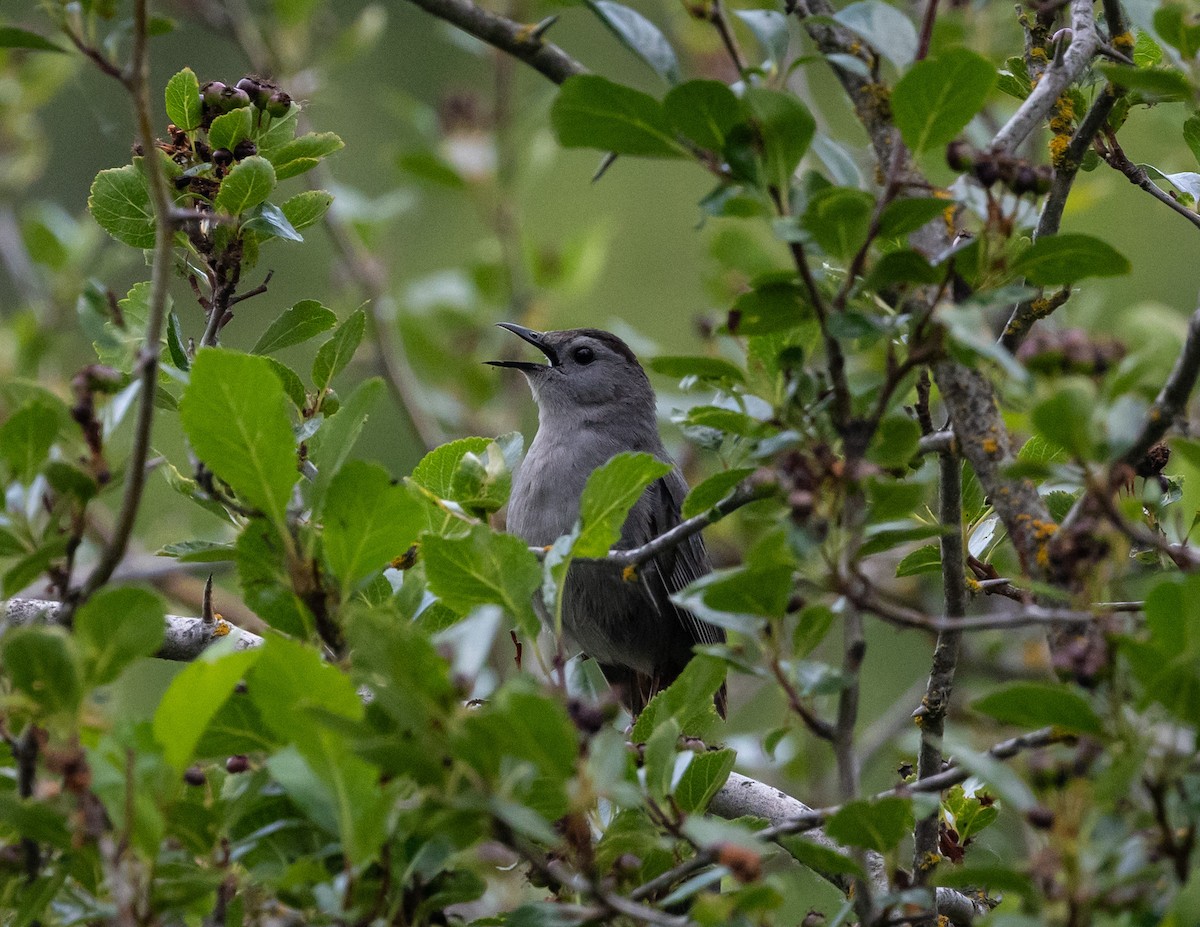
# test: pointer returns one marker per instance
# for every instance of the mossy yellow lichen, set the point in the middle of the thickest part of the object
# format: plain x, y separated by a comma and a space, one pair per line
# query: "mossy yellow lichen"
991, 446
1124, 41
222, 629
1058, 149
629, 574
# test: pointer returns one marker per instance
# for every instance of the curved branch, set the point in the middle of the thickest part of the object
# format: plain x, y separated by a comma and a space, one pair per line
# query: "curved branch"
1084, 42
138, 83
1173, 397
520, 41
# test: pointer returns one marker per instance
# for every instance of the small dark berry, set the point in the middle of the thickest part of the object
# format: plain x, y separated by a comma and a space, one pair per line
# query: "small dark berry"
232, 98
987, 172
1043, 178
222, 157
1040, 816
258, 92
194, 775
1024, 181
960, 156
244, 149
279, 104
237, 763
212, 93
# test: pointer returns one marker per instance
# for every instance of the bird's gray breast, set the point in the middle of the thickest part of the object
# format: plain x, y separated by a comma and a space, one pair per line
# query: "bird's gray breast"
613, 620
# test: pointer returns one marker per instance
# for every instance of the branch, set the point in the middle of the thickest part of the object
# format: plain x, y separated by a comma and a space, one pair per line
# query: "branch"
138, 83
1056, 79
518, 40
743, 495
931, 716
1173, 398
742, 796
1137, 176
984, 440
184, 638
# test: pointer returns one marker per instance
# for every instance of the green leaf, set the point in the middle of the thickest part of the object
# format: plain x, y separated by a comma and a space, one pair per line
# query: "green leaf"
838, 218
703, 368
267, 582
936, 99
1191, 134
820, 858
120, 204
786, 128
41, 663
1153, 85
895, 442
1179, 29
640, 36
1064, 419
193, 699
772, 306
303, 153
483, 568
435, 471
198, 551
708, 493
336, 353
814, 623
235, 415
881, 538
889, 31
903, 266
610, 493
1035, 704
14, 37
703, 111
305, 209
26, 439
927, 559
232, 127
268, 221
307, 319
115, 627
593, 112
901, 217
1069, 257
175, 345
370, 520
333, 443
770, 28
249, 183
293, 387
688, 700
184, 107
878, 825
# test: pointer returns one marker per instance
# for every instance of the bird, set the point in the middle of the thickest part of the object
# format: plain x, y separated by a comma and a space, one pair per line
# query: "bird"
595, 401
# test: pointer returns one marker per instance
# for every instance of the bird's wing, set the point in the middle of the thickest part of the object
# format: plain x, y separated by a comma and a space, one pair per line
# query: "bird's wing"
674, 569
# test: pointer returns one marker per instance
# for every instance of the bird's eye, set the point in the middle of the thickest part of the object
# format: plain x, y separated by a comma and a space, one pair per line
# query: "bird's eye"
583, 355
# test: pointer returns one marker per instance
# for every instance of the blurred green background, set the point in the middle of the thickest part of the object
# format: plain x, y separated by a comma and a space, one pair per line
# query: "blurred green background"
630, 252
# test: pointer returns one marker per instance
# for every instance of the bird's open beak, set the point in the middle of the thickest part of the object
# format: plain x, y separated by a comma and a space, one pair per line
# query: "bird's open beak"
535, 338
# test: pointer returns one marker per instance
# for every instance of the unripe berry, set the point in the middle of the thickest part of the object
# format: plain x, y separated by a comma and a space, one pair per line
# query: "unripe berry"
244, 149
279, 104
258, 91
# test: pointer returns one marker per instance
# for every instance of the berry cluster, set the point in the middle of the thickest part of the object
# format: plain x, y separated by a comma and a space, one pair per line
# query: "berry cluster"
1019, 175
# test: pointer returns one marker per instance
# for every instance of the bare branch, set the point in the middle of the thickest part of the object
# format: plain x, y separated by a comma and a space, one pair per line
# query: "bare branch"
1059, 76
1173, 398
518, 40
184, 638
138, 83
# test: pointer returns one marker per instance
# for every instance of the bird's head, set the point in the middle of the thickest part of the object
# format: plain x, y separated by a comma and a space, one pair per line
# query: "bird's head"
588, 371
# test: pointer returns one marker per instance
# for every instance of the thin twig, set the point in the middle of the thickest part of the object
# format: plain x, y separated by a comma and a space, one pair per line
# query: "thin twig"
636, 556
518, 40
1115, 157
720, 20
1172, 398
932, 713
148, 355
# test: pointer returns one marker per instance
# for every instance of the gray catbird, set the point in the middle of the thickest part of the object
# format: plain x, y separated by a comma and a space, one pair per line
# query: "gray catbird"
595, 401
